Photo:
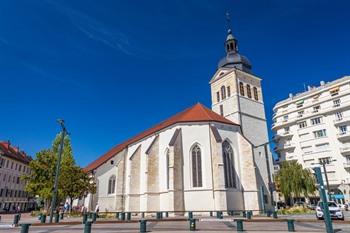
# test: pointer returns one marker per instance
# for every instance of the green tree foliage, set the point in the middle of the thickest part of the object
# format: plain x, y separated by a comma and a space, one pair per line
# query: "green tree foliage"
73, 182
293, 181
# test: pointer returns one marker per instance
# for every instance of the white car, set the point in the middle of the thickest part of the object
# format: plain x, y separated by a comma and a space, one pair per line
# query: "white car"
334, 210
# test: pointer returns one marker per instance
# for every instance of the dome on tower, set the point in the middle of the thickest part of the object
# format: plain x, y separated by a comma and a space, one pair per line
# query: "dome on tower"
233, 59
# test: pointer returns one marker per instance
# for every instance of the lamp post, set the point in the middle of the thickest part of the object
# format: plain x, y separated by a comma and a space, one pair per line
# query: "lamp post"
58, 164
323, 162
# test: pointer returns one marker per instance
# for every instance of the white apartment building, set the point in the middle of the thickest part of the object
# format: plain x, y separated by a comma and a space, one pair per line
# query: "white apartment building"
13, 164
313, 127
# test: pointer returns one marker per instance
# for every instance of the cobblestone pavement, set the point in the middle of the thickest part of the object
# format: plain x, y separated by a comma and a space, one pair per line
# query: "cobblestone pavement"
205, 224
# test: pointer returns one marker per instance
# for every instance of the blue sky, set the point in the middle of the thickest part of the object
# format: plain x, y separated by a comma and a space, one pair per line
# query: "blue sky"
114, 68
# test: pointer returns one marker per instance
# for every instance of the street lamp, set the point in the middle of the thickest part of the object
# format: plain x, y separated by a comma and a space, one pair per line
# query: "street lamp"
58, 164
324, 162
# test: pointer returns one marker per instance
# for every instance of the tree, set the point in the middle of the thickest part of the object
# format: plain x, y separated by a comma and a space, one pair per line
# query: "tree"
73, 182
294, 181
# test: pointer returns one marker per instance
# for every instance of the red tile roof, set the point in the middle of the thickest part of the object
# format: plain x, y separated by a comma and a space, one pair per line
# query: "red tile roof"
196, 113
14, 153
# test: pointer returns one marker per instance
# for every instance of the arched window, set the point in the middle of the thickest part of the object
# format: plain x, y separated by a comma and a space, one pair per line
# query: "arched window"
249, 91
196, 166
111, 185
223, 92
241, 88
256, 96
229, 168
167, 168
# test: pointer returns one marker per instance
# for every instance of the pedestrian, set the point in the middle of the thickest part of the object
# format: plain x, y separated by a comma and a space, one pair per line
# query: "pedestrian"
97, 209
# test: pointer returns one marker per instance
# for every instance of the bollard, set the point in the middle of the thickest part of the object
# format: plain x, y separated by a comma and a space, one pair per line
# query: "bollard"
249, 214
275, 214
161, 215
117, 215
61, 215
128, 216
15, 219
268, 213
211, 213
290, 223
25, 227
167, 214
219, 215
43, 218
143, 215
57, 218
94, 217
190, 215
239, 223
85, 218
244, 214
122, 216
87, 227
158, 215
192, 224
143, 225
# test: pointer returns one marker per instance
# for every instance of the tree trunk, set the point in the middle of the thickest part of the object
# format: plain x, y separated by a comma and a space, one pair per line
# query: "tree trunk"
71, 204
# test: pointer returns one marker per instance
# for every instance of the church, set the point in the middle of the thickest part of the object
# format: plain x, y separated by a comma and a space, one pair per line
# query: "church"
200, 159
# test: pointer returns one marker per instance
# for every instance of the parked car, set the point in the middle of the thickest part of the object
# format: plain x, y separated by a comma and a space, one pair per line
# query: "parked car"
334, 210
344, 207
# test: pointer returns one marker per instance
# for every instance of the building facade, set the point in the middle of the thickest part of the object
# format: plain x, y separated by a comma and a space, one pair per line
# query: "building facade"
13, 164
199, 159
313, 128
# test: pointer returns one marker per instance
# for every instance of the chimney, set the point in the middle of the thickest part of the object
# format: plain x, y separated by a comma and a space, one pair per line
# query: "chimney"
322, 83
290, 95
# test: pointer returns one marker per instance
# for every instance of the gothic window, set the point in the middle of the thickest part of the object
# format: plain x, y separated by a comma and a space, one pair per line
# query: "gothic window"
167, 168
229, 168
218, 96
196, 166
223, 92
255, 90
228, 91
249, 91
111, 185
241, 88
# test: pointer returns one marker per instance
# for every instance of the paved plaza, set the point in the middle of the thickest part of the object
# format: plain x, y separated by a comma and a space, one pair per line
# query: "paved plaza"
205, 224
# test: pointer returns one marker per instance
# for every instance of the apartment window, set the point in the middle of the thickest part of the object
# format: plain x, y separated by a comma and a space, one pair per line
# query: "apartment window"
11, 165
286, 130
218, 96
338, 116
17, 180
342, 129
228, 91
300, 114
307, 149
336, 103
7, 164
221, 110
322, 147
302, 124
316, 108
285, 118
241, 88
316, 121
249, 91
334, 91
300, 103
320, 133
256, 96
223, 92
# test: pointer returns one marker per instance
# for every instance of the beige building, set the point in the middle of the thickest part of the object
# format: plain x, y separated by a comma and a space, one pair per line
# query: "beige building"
13, 164
313, 127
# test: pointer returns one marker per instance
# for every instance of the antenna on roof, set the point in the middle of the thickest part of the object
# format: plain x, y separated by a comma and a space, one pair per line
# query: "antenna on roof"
228, 20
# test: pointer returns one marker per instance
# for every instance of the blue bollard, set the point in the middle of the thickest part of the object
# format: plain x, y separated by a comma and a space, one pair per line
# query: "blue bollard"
274, 214
25, 227
239, 223
87, 227
290, 223
128, 216
190, 215
143, 225
192, 224
43, 218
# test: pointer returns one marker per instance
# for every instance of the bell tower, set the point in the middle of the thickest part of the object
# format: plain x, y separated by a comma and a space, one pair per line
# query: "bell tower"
237, 95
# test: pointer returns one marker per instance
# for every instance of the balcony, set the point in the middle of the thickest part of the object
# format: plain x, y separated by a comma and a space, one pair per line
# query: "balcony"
342, 120
345, 150
286, 134
347, 165
345, 135
287, 146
